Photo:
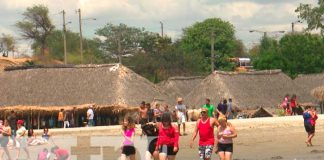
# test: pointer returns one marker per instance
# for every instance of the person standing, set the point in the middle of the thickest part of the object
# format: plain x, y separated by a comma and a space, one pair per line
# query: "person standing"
229, 109
12, 119
226, 133
157, 113
167, 145
4, 138
205, 126
66, 119
142, 111
210, 108
90, 116
60, 118
150, 112
128, 132
181, 110
222, 108
21, 139
293, 104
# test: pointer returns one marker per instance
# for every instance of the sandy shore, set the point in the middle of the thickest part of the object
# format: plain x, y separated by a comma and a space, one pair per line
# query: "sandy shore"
258, 138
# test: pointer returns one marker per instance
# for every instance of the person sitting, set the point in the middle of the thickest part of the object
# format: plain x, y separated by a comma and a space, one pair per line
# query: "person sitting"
31, 135
43, 140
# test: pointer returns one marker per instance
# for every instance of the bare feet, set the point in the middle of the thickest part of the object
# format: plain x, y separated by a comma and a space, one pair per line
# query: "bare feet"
307, 143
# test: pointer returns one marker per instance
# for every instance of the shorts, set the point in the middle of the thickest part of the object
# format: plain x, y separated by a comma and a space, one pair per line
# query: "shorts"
158, 119
21, 143
4, 141
205, 152
168, 150
181, 119
13, 133
143, 121
225, 147
128, 150
309, 128
151, 145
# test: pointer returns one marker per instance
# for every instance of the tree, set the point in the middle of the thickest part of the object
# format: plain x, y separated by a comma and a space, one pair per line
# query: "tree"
197, 39
8, 43
313, 16
120, 39
36, 25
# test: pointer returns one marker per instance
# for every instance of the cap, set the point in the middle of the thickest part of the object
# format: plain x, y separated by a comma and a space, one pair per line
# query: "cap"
179, 99
20, 122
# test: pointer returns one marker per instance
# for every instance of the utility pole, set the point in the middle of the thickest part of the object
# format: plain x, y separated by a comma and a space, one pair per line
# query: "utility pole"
80, 25
161, 29
212, 42
292, 27
64, 37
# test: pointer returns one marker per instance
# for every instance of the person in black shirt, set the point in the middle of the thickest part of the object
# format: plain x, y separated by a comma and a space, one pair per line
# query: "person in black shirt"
222, 107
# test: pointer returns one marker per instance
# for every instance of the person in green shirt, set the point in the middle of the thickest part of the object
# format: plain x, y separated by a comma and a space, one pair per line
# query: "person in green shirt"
210, 108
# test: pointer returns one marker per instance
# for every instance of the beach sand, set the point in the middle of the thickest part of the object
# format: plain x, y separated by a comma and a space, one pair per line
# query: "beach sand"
258, 139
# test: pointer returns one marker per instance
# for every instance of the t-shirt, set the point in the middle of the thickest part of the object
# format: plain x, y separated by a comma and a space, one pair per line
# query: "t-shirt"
210, 108
181, 108
90, 113
222, 108
61, 153
21, 133
128, 133
229, 107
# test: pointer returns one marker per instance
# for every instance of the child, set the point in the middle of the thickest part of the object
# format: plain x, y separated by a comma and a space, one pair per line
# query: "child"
60, 154
43, 155
128, 131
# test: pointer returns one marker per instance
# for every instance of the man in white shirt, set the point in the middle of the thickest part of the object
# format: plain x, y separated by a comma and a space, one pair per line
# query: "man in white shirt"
90, 116
181, 114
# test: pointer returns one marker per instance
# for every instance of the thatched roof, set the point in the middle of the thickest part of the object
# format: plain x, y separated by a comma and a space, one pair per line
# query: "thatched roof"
179, 86
306, 83
318, 93
101, 84
260, 112
248, 90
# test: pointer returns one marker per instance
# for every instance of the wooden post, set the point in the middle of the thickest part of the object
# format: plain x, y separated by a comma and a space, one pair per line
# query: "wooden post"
38, 120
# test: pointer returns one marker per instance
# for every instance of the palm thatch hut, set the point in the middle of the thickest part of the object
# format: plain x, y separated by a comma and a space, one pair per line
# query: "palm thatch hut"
248, 90
306, 83
179, 86
319, 94
108, 86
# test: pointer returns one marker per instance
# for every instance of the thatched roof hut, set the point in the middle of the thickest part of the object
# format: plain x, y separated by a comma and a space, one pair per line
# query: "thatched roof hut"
318, 93
306, 83
101, 84
248, 90
179, 86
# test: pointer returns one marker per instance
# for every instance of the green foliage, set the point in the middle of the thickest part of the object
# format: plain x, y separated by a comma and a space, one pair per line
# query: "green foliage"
8, 41
36, 25
313, 16
197, 39
295, 54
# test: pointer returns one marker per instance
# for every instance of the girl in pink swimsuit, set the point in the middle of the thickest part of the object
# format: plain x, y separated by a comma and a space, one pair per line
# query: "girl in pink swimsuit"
226, 133
128, 132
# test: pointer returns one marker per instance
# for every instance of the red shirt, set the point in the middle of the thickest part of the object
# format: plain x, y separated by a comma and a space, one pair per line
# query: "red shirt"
168, 136
206, 133
293, 103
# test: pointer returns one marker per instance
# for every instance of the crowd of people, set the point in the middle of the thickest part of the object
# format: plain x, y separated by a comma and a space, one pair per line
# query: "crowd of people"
14, 130
163, 136
289, 105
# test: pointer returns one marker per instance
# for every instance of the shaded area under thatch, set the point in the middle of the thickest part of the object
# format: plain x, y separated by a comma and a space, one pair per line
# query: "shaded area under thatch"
260, 112
179, 86
41, 116
111, 84
248, 90
318, 93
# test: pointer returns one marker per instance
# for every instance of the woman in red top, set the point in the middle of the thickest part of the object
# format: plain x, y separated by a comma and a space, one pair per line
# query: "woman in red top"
205, 127
167, 144
293, 105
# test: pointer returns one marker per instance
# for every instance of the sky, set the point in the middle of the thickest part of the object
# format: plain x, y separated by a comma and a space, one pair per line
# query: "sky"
245, 15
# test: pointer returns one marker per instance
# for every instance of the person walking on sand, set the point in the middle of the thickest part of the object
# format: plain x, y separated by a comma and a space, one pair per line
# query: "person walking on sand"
128, 132
4, 138
308, 116
226, 133
90, 116
181, 110
210, 108
167, 145
205, 127
21, 139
